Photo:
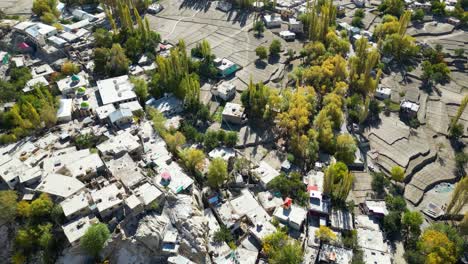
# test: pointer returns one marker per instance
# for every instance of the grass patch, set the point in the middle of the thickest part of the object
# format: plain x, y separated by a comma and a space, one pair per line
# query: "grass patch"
218, 115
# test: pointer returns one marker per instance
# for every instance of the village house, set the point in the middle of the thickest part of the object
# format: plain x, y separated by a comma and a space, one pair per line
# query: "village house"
265, 173
76, 206
108, 199
116, 90
60, 186
125, 170
234, 113
167, 105
290, 214
76, 229
224, 90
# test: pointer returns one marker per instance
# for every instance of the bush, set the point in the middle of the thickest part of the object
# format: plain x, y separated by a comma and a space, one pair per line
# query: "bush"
94, 239
357, 22
223, 234
231, 139
418, 15
275, 47
8, 206
261, 52
359, 13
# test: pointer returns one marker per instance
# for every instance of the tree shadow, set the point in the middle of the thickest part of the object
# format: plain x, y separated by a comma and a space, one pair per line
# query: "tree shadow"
260, 64
273, 59
239, 16
199, 5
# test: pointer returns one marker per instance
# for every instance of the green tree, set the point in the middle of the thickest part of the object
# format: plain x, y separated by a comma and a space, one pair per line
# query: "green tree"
459, 197
118, 62
337, 182
103, 38
259, 27
453, 235
392, 7
279, 248
357, 22
345, 148
418, 15
392, 223
194, 159
41, 206
217, 172
211, 140
140, 88
255, 99
174, 141
231, 139
8, 205
223, 234
190, 85
261, 52
290, 186
398, 173
411, 223
94, 239
275, 47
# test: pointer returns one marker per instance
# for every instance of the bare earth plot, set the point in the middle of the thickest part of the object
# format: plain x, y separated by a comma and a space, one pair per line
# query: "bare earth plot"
227, 33
16, 7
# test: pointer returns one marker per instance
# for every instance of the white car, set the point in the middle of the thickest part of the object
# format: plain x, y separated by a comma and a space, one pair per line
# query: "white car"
155, 8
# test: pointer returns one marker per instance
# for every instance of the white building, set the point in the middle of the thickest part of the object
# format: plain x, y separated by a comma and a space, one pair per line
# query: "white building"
108, 199
287, 35
224, 90
292, 216
234, 113
33, 82
68, 85
296, 26
168, 105
116, 90
64, 112
76, 205
39, 32
104, 111
76, 229
125, 170
383, 93
121, 116
43, 70
147, 194
272, 21
409, 107
123, 142
265, 173
60, 185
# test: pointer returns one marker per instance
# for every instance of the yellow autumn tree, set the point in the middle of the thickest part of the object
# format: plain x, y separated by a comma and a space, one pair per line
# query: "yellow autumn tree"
437, 248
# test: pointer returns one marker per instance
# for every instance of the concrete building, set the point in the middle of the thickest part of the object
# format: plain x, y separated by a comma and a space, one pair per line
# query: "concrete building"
132, 106
290, 215
70, 84
172, 177
409, 108
44, 70
383, 93
104, 111
76, 206
222, 152
168, 105
121, 117
234, 113
60, 186
64, 112
33, 82
295, 26
116, 90
147, 194
287, 35
265, 173
124, 142
225, 67
125, 170
39, 33
134, 205
76, 229
341, 220
224, 90
335, 254
108, 199
272, 21
376, 208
